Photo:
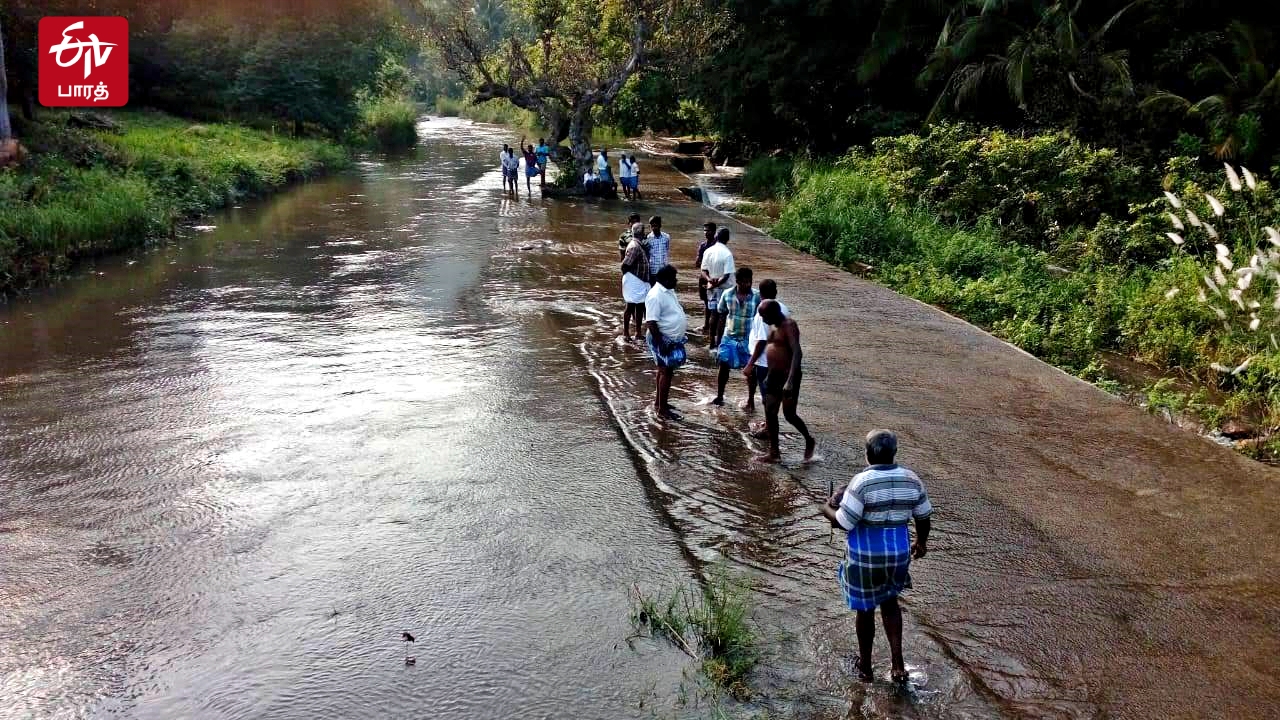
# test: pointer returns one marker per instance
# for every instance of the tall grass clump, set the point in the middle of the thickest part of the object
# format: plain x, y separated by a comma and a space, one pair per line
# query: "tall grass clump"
85, 192
769, 178
389, 124
710, 623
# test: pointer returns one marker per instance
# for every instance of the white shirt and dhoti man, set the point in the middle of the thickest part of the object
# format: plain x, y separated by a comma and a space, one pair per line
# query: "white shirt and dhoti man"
663, 308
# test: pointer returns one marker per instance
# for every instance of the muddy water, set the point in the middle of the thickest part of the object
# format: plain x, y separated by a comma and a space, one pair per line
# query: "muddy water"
233, 470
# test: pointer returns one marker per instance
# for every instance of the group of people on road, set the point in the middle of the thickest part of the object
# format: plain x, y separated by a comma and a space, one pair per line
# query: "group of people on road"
598, 179
753, 331
746, 329
535, 165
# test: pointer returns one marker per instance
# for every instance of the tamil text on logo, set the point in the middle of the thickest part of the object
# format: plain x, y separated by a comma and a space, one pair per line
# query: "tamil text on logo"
84, 61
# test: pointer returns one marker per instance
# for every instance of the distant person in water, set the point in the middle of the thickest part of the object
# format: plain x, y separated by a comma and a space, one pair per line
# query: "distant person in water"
667, 326
544, 154
738, 306
603, 172
757, 341
635, 179
625, 238
510, 170
635, 281
624, 175
718, 270
659, 246
531, 168
782, 381
876, 508
709, 239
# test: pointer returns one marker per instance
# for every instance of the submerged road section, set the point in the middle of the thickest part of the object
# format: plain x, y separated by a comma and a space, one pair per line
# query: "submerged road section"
234, 469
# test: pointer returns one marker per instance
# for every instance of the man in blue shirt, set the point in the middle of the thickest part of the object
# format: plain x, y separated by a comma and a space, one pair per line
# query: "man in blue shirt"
544, 153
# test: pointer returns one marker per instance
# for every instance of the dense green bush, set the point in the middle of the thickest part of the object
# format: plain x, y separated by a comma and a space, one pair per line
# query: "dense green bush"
769, 177
389, 124
1126, 287
1031, 188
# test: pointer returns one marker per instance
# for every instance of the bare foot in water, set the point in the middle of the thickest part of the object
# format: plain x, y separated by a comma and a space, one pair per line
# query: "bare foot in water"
749, 406
769, 459
718, 401
809, 446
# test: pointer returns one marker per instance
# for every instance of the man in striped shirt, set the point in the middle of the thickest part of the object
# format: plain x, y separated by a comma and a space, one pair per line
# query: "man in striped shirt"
875, 509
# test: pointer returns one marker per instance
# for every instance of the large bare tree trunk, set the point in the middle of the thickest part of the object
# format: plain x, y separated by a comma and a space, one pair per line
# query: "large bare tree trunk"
6, 130
580, 140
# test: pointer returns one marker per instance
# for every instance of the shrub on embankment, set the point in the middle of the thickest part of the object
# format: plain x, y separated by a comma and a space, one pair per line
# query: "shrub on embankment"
388, 124
84, 192
1054, 246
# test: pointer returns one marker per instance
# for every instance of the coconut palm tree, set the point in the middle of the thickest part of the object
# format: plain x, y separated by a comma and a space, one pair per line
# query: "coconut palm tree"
1248, 95
1015, 44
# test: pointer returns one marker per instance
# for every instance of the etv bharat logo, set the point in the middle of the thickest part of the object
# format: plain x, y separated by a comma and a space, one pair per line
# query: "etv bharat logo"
84, 61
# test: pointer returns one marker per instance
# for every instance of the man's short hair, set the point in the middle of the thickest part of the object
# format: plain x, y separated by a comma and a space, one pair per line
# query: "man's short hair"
743, 276
768, 289
667, 272
709, 225
637, 230
655, 220
722, 235
882, 447
633, 218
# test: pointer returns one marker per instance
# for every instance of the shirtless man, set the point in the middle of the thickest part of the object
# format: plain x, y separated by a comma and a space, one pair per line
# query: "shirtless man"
782, 384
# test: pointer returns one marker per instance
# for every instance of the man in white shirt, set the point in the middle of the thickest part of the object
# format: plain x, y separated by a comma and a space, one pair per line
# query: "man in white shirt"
717, 271
667, 325
624, 175
510, 170
758, 367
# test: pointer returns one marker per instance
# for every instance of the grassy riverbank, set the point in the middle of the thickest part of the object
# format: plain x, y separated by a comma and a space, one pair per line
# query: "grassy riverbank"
85, 192
1056, 247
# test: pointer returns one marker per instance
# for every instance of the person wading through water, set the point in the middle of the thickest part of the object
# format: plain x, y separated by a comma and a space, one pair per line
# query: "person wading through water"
625, 238
875, 509
738, 307
718, 270
635, 282
667, 325
782, 382
709, 239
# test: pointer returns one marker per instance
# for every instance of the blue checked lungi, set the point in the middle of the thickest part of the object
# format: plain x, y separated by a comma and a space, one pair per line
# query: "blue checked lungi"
734, 351
670, 355
875, 566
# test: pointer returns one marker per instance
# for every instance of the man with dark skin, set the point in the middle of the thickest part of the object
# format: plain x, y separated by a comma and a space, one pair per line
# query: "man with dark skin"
782, 383
875, 508
709, 239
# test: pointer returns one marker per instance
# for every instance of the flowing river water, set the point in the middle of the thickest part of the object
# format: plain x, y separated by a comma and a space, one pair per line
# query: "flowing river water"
235, 468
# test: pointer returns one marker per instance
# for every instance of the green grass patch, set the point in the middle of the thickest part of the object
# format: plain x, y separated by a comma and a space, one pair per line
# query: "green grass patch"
710, 623
86, 192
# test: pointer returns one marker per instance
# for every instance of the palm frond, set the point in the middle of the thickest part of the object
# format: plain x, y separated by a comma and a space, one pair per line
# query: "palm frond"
1111, 21
1116, 65
1018, 68
1166, 102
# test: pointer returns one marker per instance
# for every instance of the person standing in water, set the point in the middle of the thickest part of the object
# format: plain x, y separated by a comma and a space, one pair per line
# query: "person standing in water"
624, 175
717, 269
635, 179
604, 174
758, 367
875, 508
667, 325
635, 282
510, 170
738, 307
530, 168
709, 239
659, 246
782, 382
544, 154
625, 238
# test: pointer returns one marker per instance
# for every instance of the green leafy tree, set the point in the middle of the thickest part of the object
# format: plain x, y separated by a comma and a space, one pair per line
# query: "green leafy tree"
563, 59
1244, 100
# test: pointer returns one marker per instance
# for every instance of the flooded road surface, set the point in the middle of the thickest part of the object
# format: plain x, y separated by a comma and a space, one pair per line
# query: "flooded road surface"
233, 470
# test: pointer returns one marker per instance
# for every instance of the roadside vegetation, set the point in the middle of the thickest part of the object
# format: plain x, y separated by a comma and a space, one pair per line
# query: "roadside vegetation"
88, 191
1064, 250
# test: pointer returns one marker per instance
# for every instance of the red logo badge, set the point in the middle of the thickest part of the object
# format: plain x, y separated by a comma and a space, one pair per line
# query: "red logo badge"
84, 61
